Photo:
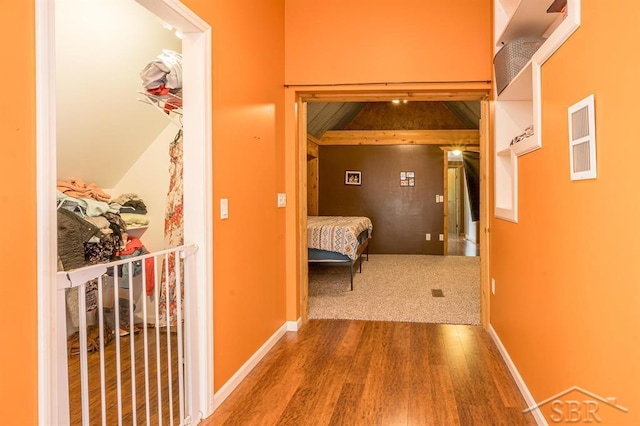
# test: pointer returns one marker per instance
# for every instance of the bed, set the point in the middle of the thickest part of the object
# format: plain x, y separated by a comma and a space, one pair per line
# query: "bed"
338, 240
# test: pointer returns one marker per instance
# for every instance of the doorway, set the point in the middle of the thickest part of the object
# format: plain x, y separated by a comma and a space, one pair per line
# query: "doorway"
461, 232
197, 201
360, 94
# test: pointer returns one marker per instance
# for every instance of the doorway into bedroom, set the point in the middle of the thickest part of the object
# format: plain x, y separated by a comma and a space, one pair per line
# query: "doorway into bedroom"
399, 150
106, 152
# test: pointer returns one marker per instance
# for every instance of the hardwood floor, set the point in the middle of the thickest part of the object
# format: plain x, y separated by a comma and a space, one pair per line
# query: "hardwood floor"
95, 404
342, 372
460, 246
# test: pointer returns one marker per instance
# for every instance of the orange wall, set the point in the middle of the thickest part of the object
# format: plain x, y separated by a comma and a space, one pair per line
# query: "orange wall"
18, 328
248, 126
369, 41
568, 285
364, 41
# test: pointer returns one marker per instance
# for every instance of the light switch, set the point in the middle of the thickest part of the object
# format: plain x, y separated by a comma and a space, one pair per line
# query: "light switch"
282, 199
224, 208
441, 237
437, 198
441, 198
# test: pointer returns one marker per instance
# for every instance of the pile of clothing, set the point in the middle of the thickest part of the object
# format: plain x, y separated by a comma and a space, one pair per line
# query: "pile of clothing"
162, 78
131, 209
92, 228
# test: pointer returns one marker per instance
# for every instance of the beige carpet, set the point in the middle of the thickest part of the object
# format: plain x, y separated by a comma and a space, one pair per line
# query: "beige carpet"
398, 288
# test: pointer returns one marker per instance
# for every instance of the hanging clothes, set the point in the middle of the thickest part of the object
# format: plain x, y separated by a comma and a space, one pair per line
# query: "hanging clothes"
173, 235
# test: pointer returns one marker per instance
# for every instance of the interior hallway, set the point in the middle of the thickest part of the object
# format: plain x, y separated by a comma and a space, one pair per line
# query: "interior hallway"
336, 372
460, 246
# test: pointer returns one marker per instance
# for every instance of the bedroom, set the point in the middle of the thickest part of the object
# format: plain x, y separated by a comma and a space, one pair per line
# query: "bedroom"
400, 153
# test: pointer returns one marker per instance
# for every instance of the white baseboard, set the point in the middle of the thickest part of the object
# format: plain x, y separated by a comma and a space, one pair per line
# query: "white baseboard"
294, 325
524, 390
222, 394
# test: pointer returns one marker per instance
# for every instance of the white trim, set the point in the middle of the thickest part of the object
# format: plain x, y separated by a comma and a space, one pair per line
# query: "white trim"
198, 188
246, 368
522, 386
568, 26
294, 325
48, 365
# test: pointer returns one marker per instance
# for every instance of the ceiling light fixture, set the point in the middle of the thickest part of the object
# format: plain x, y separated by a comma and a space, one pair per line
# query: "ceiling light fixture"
166, 25
395, 101
456, 152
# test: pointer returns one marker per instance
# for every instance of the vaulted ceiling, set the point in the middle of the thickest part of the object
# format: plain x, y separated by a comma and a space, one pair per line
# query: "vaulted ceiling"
325, 116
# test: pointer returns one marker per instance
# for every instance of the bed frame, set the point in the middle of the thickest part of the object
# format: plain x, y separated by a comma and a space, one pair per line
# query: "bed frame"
336, 259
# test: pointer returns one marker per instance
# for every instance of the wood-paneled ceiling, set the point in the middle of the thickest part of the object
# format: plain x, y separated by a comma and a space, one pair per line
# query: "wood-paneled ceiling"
435, 115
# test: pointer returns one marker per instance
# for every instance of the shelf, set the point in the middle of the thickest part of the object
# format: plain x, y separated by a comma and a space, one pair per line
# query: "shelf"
136, 231
530, 18
521, 87
504, 152
527, 145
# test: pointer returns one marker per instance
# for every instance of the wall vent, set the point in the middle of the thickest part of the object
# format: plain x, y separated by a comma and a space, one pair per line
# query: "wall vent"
582, 139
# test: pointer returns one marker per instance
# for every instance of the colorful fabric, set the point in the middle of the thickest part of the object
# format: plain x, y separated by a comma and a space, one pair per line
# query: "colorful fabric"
337, 233
77, 188
173, 236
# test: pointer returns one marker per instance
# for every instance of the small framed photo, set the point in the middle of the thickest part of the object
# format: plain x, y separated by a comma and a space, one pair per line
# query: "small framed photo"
352, 177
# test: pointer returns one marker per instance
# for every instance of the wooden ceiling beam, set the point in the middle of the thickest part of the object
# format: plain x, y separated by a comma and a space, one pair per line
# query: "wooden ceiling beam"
312, 146
401, 137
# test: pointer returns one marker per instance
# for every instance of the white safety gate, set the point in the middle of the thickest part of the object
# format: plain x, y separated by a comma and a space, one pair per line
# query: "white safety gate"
129, 360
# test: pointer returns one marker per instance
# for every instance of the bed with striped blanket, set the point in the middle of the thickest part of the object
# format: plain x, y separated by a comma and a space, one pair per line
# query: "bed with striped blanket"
338, 240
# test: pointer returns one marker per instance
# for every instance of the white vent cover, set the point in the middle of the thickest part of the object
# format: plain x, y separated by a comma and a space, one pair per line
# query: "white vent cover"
582, 139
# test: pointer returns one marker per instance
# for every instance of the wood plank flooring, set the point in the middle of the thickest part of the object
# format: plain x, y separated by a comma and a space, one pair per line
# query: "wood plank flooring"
342, 372
95, 404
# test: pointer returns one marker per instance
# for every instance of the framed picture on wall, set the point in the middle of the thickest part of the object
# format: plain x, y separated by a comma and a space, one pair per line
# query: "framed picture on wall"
352, 177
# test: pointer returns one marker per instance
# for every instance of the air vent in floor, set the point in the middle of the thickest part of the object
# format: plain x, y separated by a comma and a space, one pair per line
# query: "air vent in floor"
436, 292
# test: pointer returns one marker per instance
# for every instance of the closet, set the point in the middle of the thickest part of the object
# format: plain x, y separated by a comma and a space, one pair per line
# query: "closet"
105, 135
117, 141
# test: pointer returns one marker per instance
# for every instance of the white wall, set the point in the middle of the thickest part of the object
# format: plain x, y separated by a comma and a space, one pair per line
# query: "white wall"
149, 178
101, 47
470, 227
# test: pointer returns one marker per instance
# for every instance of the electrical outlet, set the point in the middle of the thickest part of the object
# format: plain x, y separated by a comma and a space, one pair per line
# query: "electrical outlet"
437, 198
441, 236
428, 237
493, 286
282, 199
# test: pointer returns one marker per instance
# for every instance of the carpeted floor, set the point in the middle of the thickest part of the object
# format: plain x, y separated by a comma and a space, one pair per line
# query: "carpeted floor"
399, 288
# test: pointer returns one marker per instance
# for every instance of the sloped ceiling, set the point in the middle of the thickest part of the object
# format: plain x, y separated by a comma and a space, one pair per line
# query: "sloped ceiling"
322, 117
101, 47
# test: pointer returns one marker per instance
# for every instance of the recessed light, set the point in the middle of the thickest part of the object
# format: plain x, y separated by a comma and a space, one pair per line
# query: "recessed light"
395, 101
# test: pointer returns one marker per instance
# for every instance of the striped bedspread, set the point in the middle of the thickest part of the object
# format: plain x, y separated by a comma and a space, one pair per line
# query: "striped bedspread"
337, 233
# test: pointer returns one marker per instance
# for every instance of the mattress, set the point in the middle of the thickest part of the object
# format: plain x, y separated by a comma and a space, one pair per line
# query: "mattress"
338, 234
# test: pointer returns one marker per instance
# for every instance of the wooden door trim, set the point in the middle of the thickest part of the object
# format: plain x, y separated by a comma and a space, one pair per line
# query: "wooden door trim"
317, 95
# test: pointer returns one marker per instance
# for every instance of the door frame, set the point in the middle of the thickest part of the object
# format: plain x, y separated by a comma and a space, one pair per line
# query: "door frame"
460, 206
198, 213
297, 261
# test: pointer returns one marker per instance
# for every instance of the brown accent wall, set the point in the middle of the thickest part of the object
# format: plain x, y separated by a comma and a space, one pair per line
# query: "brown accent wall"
401, 216
409, 116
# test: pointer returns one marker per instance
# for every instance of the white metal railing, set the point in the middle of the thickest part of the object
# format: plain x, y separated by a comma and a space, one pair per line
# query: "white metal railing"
132, 388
